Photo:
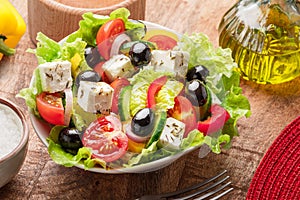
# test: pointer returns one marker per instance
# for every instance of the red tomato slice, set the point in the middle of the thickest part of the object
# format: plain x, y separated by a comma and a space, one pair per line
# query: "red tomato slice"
105, 36
117, 85
51, 108
98, 68
163, 42
219, 117
184, 111
106, 139
153, 89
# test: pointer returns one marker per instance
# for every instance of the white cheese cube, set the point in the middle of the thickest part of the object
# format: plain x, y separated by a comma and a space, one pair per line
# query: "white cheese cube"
118, 66
171, 61
55, 76
172, 134
95, 97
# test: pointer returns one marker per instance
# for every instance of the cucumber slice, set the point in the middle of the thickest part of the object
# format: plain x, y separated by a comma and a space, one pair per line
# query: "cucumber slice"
204, 110
160, 121
124, 103
125, 48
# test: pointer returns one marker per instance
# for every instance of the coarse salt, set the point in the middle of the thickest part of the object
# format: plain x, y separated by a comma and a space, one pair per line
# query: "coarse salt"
11, 130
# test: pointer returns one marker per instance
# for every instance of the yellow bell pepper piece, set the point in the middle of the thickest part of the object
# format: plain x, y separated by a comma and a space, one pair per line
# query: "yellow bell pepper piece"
75, 61
135, 146
12, 28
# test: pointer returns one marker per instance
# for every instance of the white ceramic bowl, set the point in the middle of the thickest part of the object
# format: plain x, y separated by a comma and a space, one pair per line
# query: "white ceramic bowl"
11, 162
43, 129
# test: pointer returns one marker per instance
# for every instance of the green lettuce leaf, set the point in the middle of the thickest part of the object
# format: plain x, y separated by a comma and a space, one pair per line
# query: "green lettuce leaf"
238, 106
47, 49
149, 154
90, 24
71, 49
88, 28
165, 97
29, 94
194, 138
216, 143
61, 157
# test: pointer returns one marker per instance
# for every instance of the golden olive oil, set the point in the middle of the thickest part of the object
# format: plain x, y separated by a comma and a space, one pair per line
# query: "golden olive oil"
264, 40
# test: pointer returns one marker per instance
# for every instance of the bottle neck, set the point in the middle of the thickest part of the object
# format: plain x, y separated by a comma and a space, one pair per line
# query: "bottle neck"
287, 5
280, 2
272, 1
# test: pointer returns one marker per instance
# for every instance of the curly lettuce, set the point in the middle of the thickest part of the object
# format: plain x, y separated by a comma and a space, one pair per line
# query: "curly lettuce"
223, 79
90, 24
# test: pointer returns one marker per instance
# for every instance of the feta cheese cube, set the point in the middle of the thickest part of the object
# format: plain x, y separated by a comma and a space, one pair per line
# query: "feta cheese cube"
172, 134
118, 66
55, 76
95, 97
170, 61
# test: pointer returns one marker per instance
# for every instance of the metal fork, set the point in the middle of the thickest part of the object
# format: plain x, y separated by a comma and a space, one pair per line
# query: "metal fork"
213, 188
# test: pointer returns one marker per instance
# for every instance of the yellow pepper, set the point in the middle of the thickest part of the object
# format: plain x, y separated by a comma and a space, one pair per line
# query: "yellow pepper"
135, 146
12, 28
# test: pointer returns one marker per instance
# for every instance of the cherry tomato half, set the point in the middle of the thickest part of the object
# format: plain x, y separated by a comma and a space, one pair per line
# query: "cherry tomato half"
51, 108
184, 111
106, 139
163, 42
105, 36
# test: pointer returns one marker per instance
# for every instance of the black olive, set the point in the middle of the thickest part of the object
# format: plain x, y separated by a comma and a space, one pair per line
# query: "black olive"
199, 72
92, 56
69, 138
140, 54
196, 92
142, 122
88, 75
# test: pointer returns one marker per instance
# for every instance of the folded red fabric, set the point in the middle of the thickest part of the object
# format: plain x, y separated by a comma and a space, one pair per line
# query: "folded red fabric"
278, 174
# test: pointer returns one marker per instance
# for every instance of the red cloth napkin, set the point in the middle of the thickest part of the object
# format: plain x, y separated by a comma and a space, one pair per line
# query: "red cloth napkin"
278, 174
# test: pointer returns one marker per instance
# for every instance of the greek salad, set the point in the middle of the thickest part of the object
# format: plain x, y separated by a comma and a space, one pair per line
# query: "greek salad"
118, 93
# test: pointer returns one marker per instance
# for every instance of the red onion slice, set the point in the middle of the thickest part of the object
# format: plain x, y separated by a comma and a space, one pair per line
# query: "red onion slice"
69, 105
133, 136
117, 43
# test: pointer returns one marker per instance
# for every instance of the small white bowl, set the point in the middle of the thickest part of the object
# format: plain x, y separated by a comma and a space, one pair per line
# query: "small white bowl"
12, 160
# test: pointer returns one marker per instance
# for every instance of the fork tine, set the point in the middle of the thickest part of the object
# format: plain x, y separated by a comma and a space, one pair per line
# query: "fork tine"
206, 189
222, 194
171, 194
178, 192
214, 192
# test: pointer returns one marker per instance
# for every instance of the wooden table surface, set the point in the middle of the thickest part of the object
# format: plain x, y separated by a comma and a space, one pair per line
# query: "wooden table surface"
273, 107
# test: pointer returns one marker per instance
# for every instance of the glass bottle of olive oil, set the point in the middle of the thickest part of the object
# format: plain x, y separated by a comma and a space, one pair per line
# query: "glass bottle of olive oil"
264, 36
